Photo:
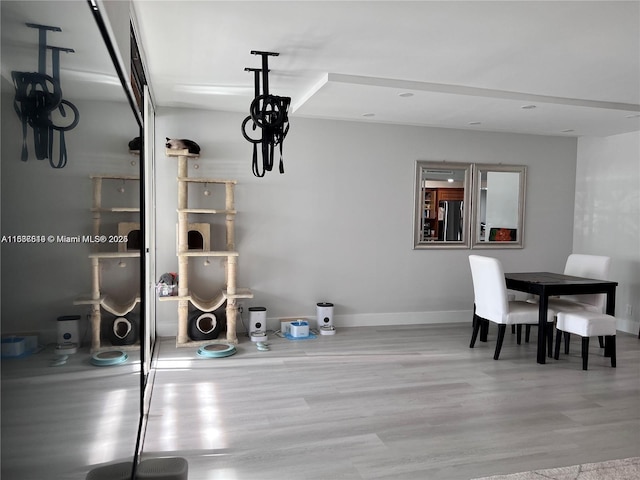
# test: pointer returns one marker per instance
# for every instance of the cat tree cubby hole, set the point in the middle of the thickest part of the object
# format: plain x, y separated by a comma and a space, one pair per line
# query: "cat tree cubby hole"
198, 237
130, 231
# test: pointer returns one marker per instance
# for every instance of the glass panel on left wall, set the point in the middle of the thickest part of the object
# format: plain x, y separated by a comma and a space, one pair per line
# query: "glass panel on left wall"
70, 285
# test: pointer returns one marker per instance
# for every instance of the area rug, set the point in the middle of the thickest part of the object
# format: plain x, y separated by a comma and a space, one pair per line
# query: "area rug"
624, 469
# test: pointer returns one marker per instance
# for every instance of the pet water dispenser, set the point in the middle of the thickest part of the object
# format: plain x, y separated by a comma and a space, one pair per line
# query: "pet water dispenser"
299, 329
324, 312
258, 324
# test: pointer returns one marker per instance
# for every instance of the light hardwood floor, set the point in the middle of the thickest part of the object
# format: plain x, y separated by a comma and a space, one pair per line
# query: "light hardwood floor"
60, 421
408, 402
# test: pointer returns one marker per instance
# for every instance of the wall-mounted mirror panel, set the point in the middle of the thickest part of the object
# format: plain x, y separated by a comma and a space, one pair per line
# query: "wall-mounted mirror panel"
498, 213
464, 205
62, 415
442, 215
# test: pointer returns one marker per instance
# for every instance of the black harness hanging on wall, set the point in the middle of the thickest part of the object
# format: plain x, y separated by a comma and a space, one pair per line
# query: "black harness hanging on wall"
37, 96
270, 114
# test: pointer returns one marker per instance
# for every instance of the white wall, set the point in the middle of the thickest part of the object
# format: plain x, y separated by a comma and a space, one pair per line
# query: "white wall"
607, 214
337, 226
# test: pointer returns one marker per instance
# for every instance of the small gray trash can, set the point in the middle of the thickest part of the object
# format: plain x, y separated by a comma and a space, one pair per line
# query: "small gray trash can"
169, 468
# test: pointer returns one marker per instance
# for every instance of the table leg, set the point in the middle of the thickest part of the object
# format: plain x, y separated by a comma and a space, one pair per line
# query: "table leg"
610, 310
611, 301
542, 328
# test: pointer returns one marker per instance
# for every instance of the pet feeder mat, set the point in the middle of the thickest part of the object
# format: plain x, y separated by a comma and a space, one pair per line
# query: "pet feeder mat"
288, 336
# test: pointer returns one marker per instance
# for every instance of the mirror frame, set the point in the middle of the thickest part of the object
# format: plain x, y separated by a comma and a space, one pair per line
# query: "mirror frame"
478, 169
147, 337
422, 165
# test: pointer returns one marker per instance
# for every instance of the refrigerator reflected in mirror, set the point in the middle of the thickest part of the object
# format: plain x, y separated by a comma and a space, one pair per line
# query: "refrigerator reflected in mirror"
450, 220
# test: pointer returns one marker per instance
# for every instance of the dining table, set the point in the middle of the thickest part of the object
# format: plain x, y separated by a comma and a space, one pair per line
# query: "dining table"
548, 284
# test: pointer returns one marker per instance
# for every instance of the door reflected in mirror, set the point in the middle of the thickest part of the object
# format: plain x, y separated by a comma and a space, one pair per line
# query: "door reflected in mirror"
498, 214
442, 193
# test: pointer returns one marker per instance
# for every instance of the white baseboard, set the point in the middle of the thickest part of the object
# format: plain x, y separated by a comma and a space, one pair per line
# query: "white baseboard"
627, 325
382, 319
407, 318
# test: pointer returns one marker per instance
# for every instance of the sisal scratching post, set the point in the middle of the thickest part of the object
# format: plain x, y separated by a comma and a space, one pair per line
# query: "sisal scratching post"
97, 204
183, 247
95, 307
232, 309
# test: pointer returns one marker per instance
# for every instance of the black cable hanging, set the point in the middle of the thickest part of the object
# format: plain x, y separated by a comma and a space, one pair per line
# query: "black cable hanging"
37, 96
270, 113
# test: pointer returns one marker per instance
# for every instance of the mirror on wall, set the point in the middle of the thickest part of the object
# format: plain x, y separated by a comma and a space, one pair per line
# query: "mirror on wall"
498, 213
464, 205
63, 415
442, 215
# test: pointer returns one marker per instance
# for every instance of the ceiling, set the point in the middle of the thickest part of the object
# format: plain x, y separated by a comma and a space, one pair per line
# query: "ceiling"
85, 72
469, 65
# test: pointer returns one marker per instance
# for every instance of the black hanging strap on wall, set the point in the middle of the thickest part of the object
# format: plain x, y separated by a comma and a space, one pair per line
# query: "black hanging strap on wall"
62, 158
254, 161
37, 96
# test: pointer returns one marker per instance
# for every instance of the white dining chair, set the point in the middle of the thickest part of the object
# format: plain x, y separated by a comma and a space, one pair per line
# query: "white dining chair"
587, 324
589, 266
492, 303
581, 265
483, 331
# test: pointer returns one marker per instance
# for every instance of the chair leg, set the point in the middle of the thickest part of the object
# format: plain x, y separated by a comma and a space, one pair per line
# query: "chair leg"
550, 329
527, 333
556, 353
501, 331
610, 348
567, 339
513, 329
585, 352
518, 333
484, 330
476, 328
607, 347
601, 341
475, 317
